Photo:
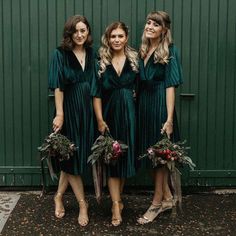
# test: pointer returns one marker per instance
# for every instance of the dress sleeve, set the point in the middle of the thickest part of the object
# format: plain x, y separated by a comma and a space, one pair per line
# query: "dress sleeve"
56, 78
174, 76
96, 82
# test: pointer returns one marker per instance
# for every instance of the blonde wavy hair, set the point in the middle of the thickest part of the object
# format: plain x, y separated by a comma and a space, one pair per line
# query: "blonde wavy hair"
161, 54
105, 51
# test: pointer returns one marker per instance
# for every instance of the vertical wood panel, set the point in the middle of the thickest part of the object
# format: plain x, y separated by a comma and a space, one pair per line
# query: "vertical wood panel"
221, 86
230, 99
204, 32
8, 93
212, 83
194, 77
2, 101
17, 84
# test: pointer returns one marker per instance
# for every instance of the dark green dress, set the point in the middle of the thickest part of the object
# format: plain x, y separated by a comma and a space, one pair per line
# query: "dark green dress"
66, 74
152, 110
118, 109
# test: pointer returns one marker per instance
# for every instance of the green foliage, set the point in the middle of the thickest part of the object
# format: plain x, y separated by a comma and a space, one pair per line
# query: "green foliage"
58, 146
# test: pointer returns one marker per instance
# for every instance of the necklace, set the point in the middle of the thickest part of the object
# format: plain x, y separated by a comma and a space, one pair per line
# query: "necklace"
118, 64
80, 55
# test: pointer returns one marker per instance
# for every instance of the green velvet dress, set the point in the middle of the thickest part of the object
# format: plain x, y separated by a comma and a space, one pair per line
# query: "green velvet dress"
152, 110
67, 74
118, 108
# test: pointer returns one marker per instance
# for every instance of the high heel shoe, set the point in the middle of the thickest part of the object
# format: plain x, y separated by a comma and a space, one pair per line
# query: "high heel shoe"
116, 218
59, 208
83, 219
169, 204
152, 212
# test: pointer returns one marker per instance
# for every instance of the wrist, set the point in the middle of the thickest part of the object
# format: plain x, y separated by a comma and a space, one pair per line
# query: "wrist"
61, 116
170, 122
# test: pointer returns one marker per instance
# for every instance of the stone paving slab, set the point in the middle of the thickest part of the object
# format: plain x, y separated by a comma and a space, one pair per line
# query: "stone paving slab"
7, 203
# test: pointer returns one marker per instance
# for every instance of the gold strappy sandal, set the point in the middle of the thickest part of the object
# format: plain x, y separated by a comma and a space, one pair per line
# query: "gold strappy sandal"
169, 204
152, 212
59, 207
82, 219
116, 220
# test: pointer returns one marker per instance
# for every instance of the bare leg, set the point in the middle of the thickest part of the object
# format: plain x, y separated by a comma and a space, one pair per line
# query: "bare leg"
168, 201
114, 185
78, 189
158, 192
62, 186
166, 189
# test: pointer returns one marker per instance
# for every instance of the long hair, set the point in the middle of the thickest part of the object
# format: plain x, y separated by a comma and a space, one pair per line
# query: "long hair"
106, 53
161, 54
70, 29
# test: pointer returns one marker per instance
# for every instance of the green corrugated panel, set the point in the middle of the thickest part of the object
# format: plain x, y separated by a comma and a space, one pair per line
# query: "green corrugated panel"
203, 30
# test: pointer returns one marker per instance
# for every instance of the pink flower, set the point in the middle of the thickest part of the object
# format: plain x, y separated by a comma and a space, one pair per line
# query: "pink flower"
116, 149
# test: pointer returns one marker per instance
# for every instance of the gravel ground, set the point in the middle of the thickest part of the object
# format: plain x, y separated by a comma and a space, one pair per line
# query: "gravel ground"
203, 214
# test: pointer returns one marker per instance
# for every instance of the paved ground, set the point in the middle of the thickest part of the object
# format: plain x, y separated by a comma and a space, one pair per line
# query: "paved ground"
203, 214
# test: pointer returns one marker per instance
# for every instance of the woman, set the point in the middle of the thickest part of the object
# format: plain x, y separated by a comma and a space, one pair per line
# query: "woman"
160, 74
70, 75
114, 105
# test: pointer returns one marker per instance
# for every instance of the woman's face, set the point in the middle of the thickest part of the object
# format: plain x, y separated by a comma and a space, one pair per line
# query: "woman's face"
118, 39
81, 34
152, 30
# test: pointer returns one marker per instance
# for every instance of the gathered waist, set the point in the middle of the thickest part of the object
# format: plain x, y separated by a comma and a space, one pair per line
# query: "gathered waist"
150, 84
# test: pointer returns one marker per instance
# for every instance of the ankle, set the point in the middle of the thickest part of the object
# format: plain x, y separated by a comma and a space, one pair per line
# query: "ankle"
156, 202
58, 195
83, 203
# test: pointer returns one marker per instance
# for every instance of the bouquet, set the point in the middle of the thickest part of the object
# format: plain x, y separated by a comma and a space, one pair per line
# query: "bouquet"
58, 146
167, 153
55, 146
170, 154
105, 151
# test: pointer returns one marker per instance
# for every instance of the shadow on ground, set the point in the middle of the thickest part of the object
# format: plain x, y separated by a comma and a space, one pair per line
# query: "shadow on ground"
203, 214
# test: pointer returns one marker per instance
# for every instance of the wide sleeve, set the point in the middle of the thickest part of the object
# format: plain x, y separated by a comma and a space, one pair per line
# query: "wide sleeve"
96, 82
56, 78
173, 71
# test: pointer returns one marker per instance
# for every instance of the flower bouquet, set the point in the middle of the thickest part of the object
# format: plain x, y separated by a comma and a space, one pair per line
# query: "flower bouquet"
105, 151
56, 146
170, 154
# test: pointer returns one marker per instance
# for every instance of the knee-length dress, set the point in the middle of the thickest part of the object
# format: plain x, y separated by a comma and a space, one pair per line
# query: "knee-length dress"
67, 74
152, 109
118, 109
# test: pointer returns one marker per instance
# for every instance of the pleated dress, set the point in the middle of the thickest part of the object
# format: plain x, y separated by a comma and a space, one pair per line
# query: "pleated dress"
67, 74
118, 109
151, 101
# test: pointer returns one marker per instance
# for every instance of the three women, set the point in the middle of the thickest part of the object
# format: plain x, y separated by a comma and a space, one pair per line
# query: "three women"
113, 85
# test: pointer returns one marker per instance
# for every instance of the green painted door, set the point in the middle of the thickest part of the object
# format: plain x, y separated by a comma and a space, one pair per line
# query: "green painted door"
203, 30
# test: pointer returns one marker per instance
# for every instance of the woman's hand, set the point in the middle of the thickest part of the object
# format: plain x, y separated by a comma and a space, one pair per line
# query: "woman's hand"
57, 123
168, 128
102, 127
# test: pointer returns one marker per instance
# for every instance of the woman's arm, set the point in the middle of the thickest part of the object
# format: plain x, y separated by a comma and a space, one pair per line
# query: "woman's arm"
59, 118
170, 104
97, 105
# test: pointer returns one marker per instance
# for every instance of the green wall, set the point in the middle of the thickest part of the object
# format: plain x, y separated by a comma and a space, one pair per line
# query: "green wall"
203, 30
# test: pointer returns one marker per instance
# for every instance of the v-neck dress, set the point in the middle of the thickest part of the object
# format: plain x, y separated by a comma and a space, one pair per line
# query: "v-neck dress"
67, 74
152, 109
118, 107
